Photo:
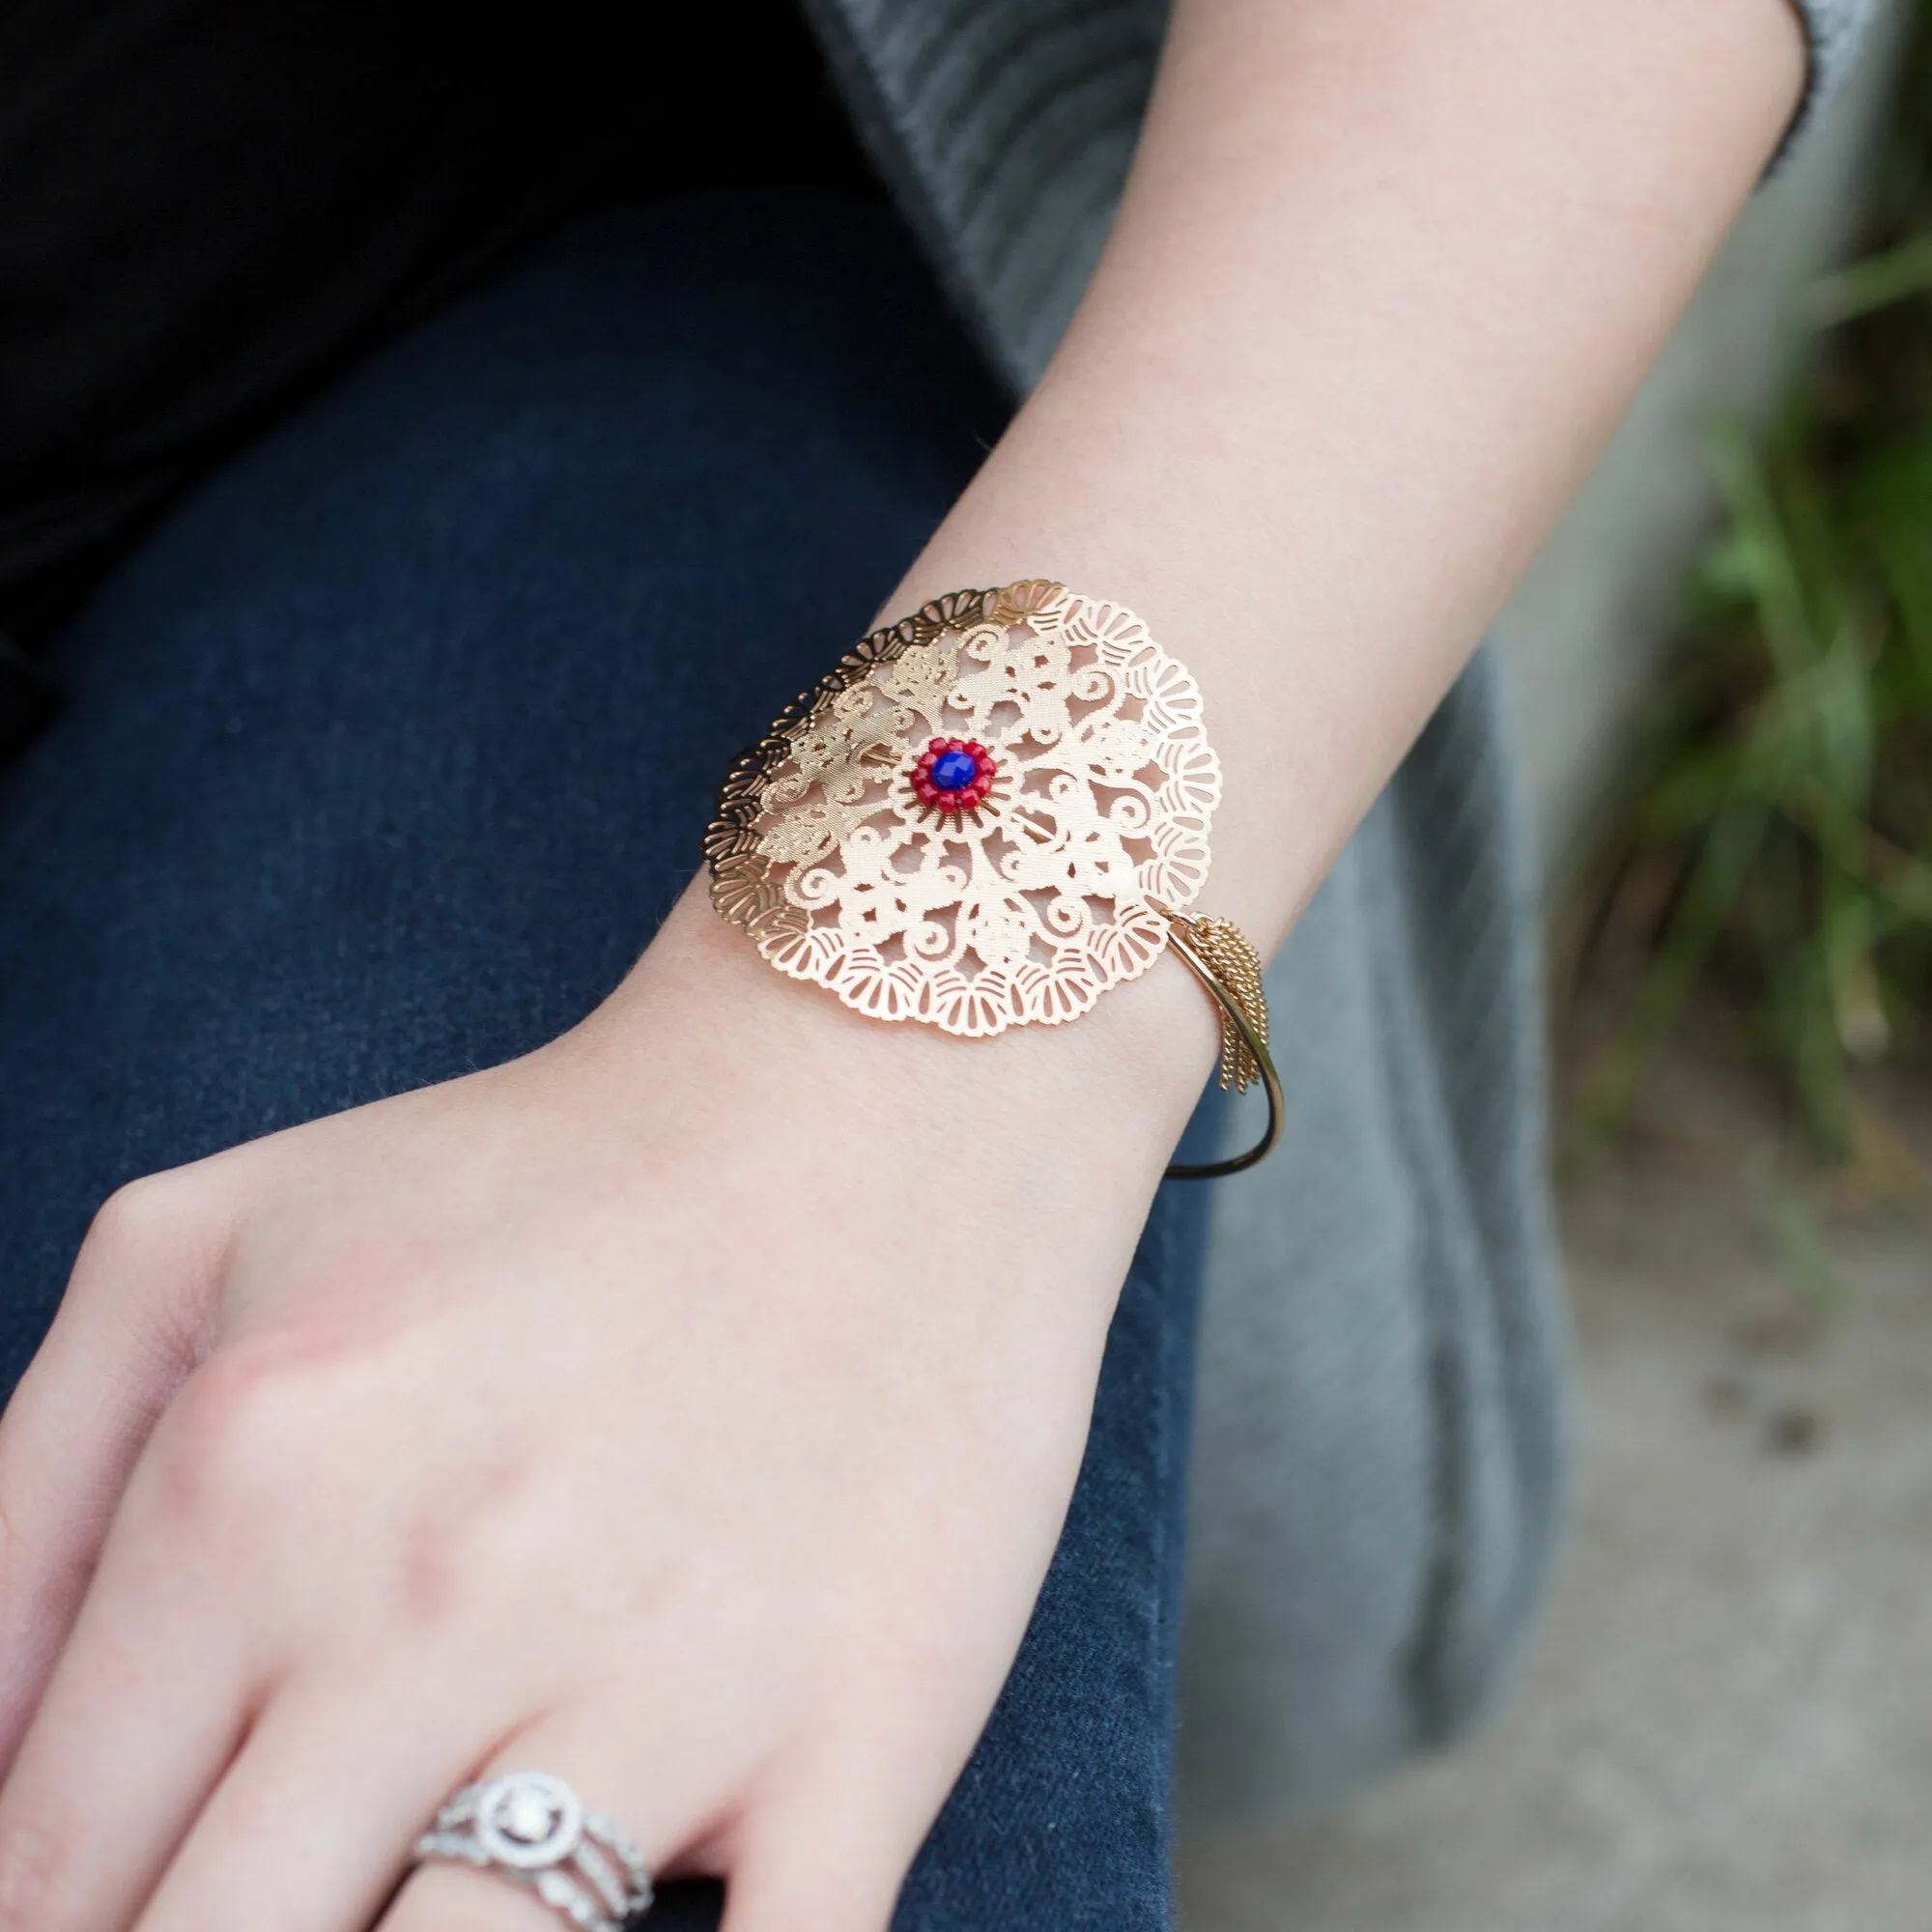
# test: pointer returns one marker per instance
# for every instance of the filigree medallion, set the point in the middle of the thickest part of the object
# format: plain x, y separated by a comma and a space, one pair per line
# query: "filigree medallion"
966, 821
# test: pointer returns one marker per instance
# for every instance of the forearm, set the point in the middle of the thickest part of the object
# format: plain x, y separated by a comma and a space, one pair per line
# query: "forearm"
1384, 278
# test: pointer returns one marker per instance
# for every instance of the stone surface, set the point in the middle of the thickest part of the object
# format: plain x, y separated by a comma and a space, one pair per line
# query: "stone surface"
1726, 1724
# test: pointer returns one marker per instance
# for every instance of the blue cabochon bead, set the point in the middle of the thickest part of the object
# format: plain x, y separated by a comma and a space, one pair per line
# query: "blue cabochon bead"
955, 771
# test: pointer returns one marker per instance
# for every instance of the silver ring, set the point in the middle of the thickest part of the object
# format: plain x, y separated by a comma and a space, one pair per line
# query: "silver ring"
533, 1828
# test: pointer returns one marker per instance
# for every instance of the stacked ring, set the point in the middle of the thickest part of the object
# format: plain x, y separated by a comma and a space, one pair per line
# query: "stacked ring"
533, 1829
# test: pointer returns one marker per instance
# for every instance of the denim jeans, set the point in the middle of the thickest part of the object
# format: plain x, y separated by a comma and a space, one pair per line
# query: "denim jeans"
386, 751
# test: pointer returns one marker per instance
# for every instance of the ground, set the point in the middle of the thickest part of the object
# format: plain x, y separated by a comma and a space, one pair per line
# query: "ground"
1725, 1723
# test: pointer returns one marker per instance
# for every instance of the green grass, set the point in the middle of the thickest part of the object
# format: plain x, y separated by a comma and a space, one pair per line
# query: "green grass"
1779, 840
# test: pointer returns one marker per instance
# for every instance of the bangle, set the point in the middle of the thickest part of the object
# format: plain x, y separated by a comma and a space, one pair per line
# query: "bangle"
985, 816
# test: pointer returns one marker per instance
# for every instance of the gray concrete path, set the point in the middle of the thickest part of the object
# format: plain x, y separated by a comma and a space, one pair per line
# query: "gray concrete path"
1726, 1724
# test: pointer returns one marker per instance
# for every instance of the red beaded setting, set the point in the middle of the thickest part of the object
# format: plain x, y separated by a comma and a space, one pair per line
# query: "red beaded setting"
941, 791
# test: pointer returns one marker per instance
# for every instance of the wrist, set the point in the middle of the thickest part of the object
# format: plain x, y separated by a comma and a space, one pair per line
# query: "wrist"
1101, 1096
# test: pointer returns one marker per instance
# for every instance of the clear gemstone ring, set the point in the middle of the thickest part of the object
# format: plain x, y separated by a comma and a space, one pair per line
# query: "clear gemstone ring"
533, 1828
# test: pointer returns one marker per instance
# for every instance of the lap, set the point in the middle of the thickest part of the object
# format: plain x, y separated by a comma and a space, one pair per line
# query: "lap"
387, 751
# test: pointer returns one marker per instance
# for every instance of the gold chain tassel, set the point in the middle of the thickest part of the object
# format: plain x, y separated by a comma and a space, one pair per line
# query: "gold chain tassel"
1238, 967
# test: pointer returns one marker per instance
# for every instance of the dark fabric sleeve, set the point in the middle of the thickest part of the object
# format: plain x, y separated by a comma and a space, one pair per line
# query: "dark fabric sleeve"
1835, 29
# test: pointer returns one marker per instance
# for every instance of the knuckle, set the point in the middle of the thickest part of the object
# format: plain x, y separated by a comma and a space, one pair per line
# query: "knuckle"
164, 1229
474, 1537
244, 1423
138, 1217
449, 1562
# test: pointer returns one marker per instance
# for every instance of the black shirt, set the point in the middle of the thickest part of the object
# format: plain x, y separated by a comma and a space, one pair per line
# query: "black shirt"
208, 206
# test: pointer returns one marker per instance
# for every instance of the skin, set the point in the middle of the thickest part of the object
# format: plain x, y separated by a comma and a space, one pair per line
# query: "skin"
477, 1428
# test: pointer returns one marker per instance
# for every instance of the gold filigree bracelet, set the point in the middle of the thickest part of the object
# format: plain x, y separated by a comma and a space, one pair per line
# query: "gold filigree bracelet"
984, 815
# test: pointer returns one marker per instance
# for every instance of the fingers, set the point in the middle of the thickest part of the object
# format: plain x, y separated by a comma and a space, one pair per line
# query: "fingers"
805, 1859
313, 1824
145, 1709
135, 1784
126, 1337
812, 1864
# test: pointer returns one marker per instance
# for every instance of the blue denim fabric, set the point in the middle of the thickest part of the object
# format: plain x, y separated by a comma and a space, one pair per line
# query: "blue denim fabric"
387, 753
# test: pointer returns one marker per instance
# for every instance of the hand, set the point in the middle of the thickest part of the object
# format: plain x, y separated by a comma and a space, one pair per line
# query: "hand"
673, 1409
